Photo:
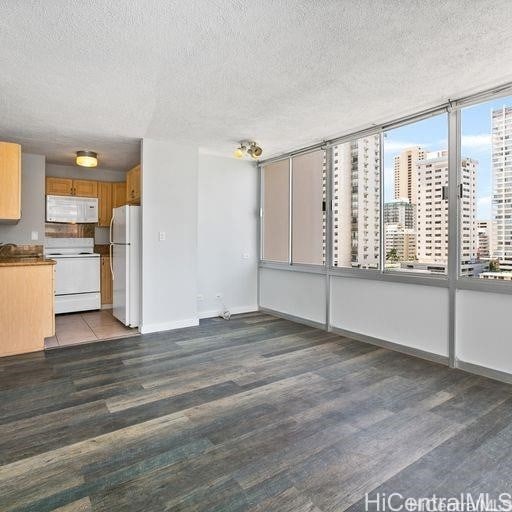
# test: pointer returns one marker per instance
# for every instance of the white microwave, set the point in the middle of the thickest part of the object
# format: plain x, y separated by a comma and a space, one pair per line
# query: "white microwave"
72, 210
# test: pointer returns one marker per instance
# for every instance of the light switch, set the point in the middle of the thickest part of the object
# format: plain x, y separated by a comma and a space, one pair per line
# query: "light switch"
161, 236
35, 235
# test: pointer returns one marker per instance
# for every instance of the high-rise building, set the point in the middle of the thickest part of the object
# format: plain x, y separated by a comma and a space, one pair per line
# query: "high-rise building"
486, 243
400, 211
356, 203
502, 180
400, 244
405, 173
400, 232
432, 209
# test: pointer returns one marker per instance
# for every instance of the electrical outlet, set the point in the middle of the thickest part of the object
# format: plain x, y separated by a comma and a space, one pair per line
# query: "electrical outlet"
161, 236
34, 235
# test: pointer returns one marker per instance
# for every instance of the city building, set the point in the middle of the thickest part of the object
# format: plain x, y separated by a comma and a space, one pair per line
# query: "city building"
400, 244
400, 233
496, 276
405, 166
432, 209
502, 177
356, 203
401, 212
486, 240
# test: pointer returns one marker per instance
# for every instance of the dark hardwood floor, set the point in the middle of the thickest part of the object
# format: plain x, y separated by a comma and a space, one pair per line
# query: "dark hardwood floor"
253, 414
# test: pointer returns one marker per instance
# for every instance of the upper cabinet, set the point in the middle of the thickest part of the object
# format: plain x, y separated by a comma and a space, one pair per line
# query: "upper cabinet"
85, 188
59, 186
118, 194
69, 187
10, 181
104, 203
133, 185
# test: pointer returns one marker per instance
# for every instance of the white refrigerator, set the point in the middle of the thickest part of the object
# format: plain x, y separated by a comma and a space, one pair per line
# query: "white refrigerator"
125, 263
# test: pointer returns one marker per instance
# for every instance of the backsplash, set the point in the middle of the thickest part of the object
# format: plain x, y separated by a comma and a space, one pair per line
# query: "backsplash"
16, 251
56, 230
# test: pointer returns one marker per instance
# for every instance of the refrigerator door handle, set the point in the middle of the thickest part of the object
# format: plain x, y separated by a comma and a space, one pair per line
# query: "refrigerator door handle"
111, 226
111, 243
111, 258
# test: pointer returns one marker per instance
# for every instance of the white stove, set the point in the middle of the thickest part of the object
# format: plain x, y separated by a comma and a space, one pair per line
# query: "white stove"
77, 273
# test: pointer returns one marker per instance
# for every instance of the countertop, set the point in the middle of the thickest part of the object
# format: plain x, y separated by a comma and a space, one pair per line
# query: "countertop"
20, 262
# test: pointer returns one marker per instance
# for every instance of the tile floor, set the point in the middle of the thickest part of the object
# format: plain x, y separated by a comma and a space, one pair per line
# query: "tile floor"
75, 328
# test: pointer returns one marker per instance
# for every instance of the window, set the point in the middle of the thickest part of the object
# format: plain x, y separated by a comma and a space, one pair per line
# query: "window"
414, 212
356, 203
485, 205
415, 170
304, 220
308, 208
276, 211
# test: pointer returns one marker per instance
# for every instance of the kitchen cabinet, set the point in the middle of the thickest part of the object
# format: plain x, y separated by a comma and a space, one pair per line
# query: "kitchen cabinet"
85, 188
133, 185
69, 187
118, 194
10, 182
27, 304
104, 203
59, 186
106, 280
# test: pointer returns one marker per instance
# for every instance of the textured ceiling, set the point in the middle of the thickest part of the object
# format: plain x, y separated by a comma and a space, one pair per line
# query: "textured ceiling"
102, 74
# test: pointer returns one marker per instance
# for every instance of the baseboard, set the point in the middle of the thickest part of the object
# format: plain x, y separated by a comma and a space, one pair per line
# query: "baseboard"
410, 351
234, 311
107, 306
484, 371
292, 318
169, 326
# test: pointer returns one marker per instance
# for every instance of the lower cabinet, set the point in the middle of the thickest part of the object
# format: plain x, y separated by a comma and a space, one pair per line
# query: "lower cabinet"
106, 280
26, 307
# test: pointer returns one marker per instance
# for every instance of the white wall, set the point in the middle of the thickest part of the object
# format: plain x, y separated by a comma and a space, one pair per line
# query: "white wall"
169, 204
295, 293
84, 173
408, 314
227, 235
483, 334
32, 204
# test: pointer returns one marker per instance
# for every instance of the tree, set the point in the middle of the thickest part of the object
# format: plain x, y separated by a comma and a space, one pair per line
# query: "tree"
494, 266
392, 255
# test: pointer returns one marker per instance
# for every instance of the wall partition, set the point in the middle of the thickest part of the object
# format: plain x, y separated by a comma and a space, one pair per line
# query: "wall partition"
405, 230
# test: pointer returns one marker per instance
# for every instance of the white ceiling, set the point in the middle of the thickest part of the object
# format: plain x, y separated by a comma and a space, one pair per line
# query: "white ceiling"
102, 74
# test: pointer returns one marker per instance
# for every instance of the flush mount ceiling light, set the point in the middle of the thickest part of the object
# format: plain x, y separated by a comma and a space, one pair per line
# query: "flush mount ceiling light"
248, 148
86, 158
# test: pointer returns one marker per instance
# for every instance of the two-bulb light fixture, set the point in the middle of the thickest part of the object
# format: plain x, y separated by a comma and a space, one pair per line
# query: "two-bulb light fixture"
248, 148
86, 158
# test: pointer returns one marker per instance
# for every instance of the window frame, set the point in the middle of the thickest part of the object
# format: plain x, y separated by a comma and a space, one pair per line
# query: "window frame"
453, 278
463, 282
290, 264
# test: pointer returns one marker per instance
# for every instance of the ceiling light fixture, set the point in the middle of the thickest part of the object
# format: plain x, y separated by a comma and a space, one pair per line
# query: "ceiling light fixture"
240, 151
248, 148
86, 158
254, 150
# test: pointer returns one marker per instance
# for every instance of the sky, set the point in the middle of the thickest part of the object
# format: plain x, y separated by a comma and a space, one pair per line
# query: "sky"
432, 134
